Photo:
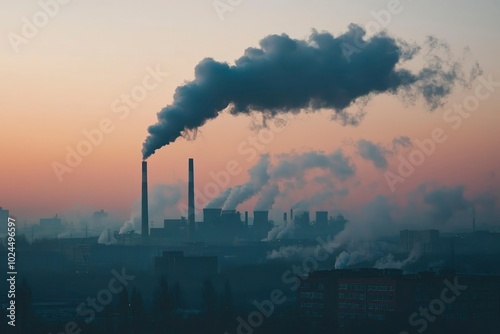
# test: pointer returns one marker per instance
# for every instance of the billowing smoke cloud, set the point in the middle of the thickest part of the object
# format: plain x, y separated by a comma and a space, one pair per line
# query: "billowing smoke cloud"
378, 153
291, 252
132, 224
346, 259
444, 202
163, 197
258, 178
359, 252
219, 201
264, 177
107, 238
372, 152
487, 210
298, 252
280, 230
373, 253
429, 207
368, 222
294, 165
319, 198
286, 75
266, 200
389, 261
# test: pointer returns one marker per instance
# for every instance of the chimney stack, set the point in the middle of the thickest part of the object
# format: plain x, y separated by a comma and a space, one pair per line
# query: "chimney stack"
144, 207
284, 217
246, 218
191, 217
291, 215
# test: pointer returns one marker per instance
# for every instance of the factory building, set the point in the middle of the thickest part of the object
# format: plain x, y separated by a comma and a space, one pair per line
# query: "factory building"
338, 298
321, 219
426, 241
223, 225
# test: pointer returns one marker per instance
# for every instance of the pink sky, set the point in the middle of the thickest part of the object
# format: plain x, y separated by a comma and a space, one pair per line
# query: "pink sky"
65, 80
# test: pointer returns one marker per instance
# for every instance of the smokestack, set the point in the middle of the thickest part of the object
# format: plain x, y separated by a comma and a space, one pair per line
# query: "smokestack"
284, 217
144, 208
291, 214
246, 218
260, 218
191, 218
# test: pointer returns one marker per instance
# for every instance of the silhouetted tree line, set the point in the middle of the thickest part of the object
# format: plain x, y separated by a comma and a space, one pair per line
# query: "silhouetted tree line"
216, 314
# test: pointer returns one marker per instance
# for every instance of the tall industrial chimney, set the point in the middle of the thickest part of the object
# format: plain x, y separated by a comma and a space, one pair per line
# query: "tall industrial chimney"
284, 217
191, 218
144, 207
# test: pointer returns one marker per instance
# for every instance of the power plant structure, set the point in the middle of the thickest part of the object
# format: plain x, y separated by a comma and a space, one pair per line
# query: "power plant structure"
221, 225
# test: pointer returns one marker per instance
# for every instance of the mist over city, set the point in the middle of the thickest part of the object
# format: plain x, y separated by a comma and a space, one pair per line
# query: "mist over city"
250, 167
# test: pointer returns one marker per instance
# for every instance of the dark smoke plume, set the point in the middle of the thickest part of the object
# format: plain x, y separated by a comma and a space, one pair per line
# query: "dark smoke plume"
372, 152
285, 75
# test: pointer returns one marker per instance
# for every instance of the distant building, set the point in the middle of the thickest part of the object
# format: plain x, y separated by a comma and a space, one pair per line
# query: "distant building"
425, 241
261, 224
101, 214
212, 216
302, 220
337, 298
260, 218
230, 219
330, 297
375, 297
317, 297
173, 230
321, 218
50, 226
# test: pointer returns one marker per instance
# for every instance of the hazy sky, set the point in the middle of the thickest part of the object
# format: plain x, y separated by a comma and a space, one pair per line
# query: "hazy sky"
65, 78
